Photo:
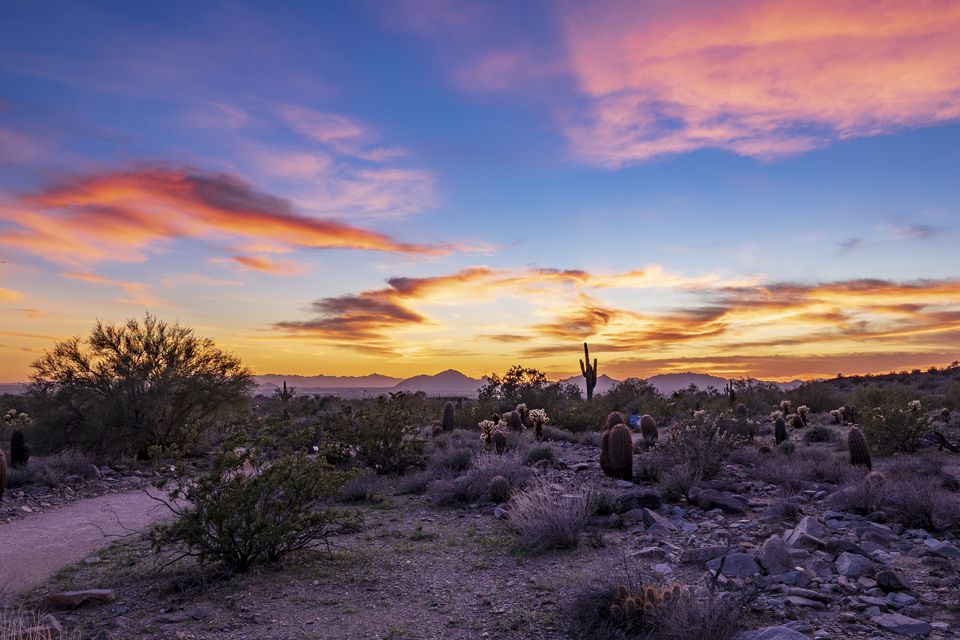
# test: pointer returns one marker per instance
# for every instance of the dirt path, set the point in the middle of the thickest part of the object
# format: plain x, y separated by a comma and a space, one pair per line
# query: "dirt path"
33, 549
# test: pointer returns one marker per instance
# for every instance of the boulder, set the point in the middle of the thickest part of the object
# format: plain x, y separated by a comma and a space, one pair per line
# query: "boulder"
701, 554
735, 565
942, 549
774, 557
890, 580
851, 565
708, 499
651, 518
645, 499
902, 625
811, 526
74, 599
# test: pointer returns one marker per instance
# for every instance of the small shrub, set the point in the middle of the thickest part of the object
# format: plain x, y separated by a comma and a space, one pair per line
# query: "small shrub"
237, 518
819, 433
473, 485
701, 444
541, 452
451, 461
913, 501
592, 438
545, 518
414, 483
560, 435
700, 615
891, 429
19, 624
676, 481
786, 448
499, 489
604, 503
366, 486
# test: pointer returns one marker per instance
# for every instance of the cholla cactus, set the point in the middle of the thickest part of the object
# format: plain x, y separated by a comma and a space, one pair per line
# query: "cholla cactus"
775, 415
487, 427
538, 417
802, 411
944, 415
914, 406
785, 406
837, 415
524, 413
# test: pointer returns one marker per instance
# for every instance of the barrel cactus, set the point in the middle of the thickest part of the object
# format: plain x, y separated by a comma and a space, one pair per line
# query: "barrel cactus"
859, 451
796, 421
945, 415
648, 428
499, 441
449, 417
780, 430
613, 419
619, 448
741, 411
514, 421
499, 489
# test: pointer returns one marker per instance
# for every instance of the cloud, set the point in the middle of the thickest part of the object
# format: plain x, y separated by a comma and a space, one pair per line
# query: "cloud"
545, 312
341, 133
915, 232
9, 295
850, 245
137, 293
264, 265
124, 215
759, 78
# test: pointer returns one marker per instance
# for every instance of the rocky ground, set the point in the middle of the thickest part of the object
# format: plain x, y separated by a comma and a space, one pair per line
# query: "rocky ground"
421, 571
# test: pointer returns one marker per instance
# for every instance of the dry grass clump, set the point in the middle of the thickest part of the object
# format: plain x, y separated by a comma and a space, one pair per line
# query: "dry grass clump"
472, 486
366, 486
449, 461
819, 433
676, 481
913, 493
18, 624
547, 518
541, 452
52, 470
557, 434
794, 470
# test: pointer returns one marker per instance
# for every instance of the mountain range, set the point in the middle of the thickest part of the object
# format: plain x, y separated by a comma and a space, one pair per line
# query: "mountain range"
452, 383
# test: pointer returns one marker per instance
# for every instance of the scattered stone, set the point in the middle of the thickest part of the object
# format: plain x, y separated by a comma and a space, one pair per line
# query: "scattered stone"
652, 553
74, 599
711, 499
942, 549
800, 540
500, 513
851, 565
92, 560
699, 555
735, 565
903, 625
651, 518
890, 580
780, 632
774, 557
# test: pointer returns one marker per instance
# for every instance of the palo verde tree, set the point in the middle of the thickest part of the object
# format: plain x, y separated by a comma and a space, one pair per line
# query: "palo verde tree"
127, 387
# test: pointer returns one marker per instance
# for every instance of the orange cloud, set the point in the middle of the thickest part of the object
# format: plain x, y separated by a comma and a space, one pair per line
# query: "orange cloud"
122, 215
548, 310
8, 295
760, 78
137, 293
264, 265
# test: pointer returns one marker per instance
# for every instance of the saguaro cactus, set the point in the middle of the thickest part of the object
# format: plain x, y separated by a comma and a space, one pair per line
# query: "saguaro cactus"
589, 371
448, 419
286, 395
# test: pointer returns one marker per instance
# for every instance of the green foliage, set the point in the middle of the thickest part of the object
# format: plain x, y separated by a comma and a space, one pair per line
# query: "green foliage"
893, 429
701, 444
248, 509
128, 387
386, 433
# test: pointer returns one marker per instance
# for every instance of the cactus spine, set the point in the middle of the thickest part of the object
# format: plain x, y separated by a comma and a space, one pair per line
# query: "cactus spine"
859, 451
449, 417
648, 428
619, 452
589, 371
780, 430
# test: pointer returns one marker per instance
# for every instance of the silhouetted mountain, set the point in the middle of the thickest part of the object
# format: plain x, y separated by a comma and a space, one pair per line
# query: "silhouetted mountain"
15, 388
270, 381
446, 383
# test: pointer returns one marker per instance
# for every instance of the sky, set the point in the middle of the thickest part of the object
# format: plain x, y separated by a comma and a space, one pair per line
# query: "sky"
764, 188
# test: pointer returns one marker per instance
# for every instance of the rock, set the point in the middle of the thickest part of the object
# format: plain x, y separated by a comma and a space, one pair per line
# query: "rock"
801, 540
779, 632
652, 553
701, 554
711, 499
774, 557
899, 600
850, 565
902, 625
74, 599
651, 518
800, 601
623, 484
500, 514
942, 549
890, 580
735, 565
645, 499
92, 560
811, 526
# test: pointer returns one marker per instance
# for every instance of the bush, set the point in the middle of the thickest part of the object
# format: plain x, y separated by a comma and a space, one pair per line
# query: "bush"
819, 433
473, 485
450, 461
560, 435
52, 470
387, 433
128, 387
414, 483
541, 452
913, 501
248, 510
366, 486
676, 481
893, 429
699, 443
545, 518
19, 624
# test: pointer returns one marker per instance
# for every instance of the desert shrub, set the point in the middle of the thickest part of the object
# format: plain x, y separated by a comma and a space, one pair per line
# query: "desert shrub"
541, 452
907, 467
747, 456
792, 472
699, 443
473, 485
546, 518
676, 481
913, 501
414, 483
451, 461
128, 387
819, 433
386, 434
891, 429
700, 615
560, 435
248, 510
603, 503
53, 469
366, 486
786, 448
591, 438
456, 439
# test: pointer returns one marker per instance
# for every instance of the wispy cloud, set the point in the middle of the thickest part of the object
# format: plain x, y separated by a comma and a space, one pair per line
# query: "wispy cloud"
9, 295
851, 245
136, 293
263, 265
124, 215
341, 133
915, 231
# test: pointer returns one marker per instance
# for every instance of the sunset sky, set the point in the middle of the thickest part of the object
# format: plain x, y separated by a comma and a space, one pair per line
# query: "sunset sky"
763, 188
